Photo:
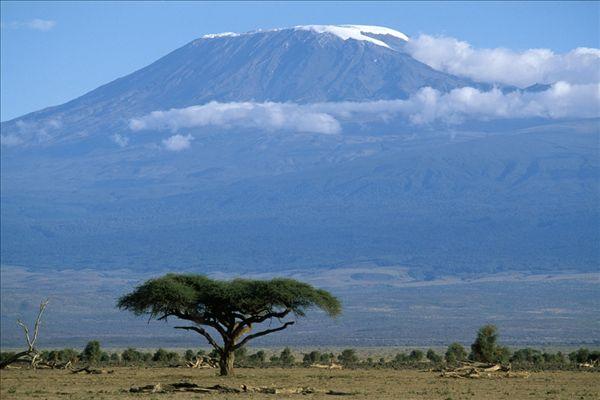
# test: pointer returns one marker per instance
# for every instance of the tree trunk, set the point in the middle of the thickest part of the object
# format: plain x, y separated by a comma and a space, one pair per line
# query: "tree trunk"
226, 363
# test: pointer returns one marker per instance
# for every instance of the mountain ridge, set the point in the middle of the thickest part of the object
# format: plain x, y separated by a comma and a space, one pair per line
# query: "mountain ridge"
480, 196
289, 65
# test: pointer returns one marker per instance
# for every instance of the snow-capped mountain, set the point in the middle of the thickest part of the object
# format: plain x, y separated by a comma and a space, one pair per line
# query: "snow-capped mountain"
305, 64
104, 181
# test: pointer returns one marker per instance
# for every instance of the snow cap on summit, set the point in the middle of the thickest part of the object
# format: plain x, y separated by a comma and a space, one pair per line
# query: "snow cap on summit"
344, 32
356, 32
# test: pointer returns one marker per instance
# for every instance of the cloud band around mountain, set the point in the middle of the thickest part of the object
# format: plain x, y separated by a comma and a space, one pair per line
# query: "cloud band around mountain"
269, 116
499, 65
561, 100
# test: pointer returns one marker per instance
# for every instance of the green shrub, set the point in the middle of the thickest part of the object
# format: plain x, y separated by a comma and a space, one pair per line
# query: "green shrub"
115, 358
131, 356
348, 358
401, 358
326, 358
433, 356
189, 355
165, 357
286, 359
486, 349
92, 353
257, 359
580, 356
416, 356
313, 357
455, 353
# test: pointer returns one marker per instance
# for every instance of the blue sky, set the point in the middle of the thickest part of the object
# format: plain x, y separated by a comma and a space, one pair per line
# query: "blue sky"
54, 52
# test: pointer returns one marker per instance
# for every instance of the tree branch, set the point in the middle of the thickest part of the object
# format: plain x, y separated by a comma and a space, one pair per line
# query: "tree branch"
255, 319
165, 316
206, 319
36, 328
203, 333
262, 333
26, 330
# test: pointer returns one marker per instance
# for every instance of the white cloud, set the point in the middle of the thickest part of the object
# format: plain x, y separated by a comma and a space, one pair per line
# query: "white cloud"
178, 142
10, 140
268, 116
41, 24
28, 132
561, 100
37, 24
525, 68
428, 105
120, 140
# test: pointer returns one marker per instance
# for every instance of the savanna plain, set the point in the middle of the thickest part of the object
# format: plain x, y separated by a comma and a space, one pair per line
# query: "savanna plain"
357, 384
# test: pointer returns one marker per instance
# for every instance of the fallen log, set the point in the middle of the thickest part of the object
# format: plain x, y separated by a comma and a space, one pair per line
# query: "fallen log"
479, 370
194, 388
202, 362
89, 370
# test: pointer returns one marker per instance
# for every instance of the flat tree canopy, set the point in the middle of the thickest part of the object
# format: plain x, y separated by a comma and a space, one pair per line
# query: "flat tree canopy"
229, 307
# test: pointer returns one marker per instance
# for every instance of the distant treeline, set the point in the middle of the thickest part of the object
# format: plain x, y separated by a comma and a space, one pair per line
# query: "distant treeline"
485, 349
526, 358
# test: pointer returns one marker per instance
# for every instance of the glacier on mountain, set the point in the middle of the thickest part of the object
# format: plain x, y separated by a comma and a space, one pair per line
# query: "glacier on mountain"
344, 32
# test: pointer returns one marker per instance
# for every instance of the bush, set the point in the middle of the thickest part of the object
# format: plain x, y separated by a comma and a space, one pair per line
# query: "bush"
189, 355
165, 357
115, 358
313, 357
455, 353
91, 352
326, 358
401, 358
160, 356
131, 355
348, 358
485, 348
62, 356
257, 359
104, 357
286, 359
527, 355
580, 356
415, 356
433, 356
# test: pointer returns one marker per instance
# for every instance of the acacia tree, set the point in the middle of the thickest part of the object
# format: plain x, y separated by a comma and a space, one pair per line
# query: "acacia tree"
231, 308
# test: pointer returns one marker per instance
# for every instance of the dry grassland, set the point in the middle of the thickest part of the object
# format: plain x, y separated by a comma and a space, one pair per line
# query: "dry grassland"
365, 384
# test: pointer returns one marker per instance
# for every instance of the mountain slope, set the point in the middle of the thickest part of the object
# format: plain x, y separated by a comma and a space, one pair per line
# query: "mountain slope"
301, 65
469, 205
478, 198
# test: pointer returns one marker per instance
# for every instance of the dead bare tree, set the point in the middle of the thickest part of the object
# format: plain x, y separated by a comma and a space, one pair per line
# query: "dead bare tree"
32, 353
